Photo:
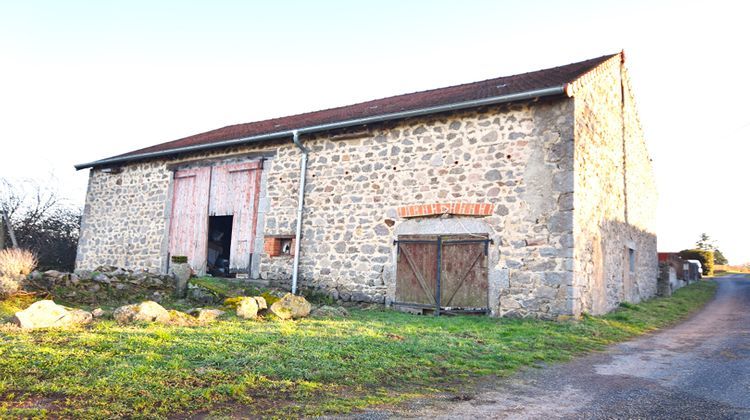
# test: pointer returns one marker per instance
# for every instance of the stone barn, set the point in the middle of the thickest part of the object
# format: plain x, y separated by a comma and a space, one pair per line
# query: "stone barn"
525, 195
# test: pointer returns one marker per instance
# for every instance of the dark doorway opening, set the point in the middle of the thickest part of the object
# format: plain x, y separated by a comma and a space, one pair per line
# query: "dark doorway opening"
219, 244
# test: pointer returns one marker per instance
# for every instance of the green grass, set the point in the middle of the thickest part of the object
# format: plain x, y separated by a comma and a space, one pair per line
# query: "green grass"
284, 368
223, 287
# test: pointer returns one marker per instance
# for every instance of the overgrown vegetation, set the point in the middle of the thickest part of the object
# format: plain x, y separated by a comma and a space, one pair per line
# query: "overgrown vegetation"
283, 368
15, 265
223, 289
43, 222
704, 256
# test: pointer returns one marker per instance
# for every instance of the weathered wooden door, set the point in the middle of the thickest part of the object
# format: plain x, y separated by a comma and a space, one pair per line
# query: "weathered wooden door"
464, 274
188, 231
442, 272
416, 271
234, 192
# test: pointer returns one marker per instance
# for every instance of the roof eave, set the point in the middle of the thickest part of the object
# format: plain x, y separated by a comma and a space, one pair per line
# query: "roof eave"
513, 97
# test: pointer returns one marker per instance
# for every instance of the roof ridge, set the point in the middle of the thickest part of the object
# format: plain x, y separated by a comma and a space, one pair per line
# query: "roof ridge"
478, 82
513, 87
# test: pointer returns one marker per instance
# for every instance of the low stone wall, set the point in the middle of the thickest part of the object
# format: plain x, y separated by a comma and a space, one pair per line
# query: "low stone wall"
103, 284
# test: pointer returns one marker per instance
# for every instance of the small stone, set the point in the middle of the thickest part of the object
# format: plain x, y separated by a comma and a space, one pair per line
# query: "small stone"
261, 302
97, 313
101, 278
493, 175
53, 273
84, 274
381, 230
561, 222
490, 137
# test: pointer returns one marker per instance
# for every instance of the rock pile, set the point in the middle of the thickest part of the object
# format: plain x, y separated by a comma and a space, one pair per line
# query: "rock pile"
149, 312
104, 283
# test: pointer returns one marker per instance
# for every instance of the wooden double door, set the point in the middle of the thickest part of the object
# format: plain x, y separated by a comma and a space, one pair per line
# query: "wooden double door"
219, 190
442, 273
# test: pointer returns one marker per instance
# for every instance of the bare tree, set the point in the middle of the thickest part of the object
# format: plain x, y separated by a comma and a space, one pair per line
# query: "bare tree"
43, 222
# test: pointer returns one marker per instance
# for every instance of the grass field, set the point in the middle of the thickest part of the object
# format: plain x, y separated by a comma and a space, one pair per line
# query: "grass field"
723, 270
285, 368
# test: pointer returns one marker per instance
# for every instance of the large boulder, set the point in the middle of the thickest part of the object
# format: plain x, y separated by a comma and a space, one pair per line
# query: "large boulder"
147, 311
47, 314
291, 307
247, 308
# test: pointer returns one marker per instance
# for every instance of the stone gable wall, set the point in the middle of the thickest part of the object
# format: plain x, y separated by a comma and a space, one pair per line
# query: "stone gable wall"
615, 195
517, 157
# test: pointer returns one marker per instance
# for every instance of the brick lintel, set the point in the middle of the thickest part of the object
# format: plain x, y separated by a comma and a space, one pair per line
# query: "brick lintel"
459, 209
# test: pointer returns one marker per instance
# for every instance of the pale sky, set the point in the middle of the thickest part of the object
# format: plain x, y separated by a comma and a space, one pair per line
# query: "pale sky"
84, 80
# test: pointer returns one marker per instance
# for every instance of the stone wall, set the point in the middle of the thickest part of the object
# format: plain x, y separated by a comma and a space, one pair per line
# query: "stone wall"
512, 156
518, 157
615, 195
126, 215
124, 218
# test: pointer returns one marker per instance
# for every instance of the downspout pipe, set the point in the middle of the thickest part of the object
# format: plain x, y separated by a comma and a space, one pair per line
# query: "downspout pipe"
300, 207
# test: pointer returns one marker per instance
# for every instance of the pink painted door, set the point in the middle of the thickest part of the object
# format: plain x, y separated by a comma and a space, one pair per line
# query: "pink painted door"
188, 231
234, 192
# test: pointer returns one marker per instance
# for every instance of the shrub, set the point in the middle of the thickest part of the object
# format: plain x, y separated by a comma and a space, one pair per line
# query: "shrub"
705, 257
16, 262
9, 286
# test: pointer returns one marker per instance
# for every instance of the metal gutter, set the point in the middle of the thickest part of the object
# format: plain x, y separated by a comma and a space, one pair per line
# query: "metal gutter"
300, 207
536, 93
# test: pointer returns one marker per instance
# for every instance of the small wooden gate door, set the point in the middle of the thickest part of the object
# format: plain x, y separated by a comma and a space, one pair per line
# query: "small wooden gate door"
234, 192
447, 274
188, 230
416, 272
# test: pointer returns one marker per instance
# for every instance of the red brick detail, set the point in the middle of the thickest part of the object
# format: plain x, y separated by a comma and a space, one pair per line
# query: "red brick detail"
432, 209
272, 246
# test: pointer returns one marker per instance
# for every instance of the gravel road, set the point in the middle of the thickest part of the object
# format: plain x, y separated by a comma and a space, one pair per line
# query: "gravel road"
699, 369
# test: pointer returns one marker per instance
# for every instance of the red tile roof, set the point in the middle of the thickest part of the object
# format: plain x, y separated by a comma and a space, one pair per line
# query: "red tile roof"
549, 78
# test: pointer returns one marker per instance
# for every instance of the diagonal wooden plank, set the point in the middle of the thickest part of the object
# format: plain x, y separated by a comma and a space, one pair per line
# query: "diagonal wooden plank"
418, 275
463, 278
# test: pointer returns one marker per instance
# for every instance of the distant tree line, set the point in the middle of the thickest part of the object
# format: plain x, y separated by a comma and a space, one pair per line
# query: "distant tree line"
707, 252
43, 222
